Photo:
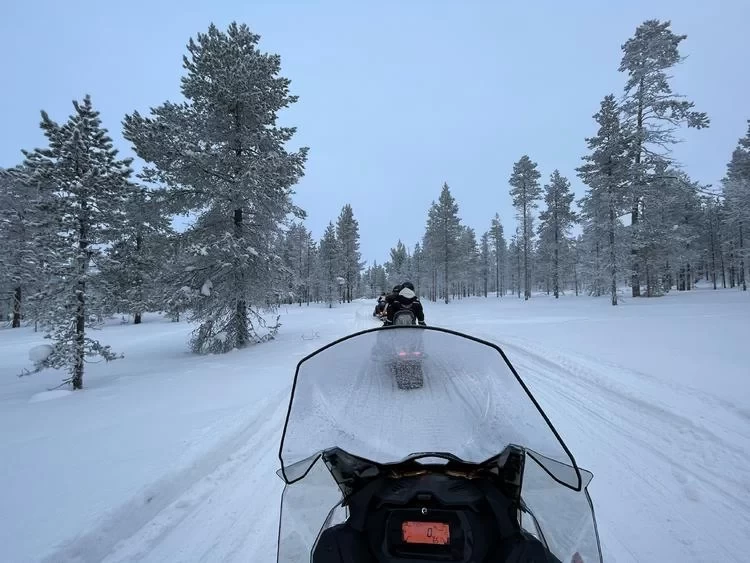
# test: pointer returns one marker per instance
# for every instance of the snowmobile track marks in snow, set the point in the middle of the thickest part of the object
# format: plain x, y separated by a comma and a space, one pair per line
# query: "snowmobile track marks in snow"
156, 510
610, 415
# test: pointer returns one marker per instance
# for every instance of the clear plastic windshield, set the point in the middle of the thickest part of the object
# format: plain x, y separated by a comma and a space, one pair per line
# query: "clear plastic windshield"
387, 394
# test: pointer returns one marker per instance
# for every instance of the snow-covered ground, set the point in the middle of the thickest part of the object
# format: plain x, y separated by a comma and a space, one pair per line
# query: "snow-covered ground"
171, 457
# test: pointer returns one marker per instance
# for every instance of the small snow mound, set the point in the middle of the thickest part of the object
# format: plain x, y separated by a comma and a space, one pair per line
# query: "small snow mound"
207, 287
49, 395
40, 353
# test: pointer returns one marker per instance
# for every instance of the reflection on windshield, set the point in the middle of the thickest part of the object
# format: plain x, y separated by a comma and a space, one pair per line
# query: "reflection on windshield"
388, 393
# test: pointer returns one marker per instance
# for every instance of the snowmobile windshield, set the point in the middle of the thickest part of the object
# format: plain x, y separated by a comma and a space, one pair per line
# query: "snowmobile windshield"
387, 394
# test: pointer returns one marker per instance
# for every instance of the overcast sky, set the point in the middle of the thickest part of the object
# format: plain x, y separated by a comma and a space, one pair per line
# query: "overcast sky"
395, 97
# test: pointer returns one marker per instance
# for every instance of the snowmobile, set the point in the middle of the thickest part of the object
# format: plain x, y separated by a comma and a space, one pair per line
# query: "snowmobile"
402, 354
467, 468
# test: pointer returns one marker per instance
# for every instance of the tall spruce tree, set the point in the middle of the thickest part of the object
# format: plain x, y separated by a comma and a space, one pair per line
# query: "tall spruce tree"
223, 157
653, 112
297, 251
418, 267
397, 267
468, 263
606, 172
525, 193
329, 264
556, 220
441, 239
133, 263
736, 190
88, 187
500, 249
20, 264
347, 233
485, 261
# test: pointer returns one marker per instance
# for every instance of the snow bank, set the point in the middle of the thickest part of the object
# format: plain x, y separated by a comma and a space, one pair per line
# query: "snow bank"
40, 353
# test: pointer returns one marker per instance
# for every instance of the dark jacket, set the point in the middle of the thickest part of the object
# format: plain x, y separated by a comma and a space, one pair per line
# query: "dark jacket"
405, 297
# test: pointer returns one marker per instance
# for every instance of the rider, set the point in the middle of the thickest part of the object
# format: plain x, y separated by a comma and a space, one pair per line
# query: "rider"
404, 297
380, 307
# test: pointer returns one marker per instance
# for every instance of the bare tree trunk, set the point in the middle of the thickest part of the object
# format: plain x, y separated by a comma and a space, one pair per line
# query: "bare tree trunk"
243, 332
17, 307
80, 338
446, 277
518, 260
635, 279
742, 261
497, 268
612, 254
526, 272
713, 251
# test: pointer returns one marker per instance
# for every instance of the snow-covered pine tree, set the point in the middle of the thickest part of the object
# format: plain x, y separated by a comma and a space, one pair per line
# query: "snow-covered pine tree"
329, 264
310, 267
418, 267
555, 222
133, 262
653, 112
20, 267
485, 261
543, 258
712, 239
296, 254
173, 298
397, 267
468, 263
347, 233
736, 190
378, 279
525, 193
291, 255
681, 245
575, 260
441, 239
500, 251
88, 187
606, 172
312, 278
515, 255
222, 156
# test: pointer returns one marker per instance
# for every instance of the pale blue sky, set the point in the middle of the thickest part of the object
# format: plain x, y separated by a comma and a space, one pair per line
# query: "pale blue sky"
395, 97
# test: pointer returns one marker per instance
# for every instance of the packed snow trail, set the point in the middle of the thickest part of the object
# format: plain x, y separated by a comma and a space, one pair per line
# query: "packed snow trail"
647, 458
186, 448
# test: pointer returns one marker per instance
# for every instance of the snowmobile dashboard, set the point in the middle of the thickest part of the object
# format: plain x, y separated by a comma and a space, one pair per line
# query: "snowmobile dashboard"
430, 507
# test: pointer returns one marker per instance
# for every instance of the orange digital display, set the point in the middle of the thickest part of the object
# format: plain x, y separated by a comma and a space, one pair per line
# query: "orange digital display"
426, 532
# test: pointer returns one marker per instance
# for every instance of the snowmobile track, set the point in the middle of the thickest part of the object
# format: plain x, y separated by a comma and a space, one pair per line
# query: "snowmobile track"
605, 414
161, 507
